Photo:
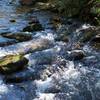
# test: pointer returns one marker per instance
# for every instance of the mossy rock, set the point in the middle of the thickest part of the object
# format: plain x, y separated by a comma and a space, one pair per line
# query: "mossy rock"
12, 63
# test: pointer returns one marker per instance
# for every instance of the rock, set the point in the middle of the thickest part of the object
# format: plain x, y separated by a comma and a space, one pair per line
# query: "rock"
33, 27
42, 57
96, 38
89, 33
21, 36
12, 20
26, 47
12, 63
56, 22
76, 55
95, 42
6, 41
24, 75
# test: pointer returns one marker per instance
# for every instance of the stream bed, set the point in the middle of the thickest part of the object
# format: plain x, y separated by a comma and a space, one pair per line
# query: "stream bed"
63, 61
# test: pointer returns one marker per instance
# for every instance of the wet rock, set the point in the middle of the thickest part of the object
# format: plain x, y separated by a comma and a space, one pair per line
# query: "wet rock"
26, 47
12, 63
77, 55
6, 41
89, 33
33, 27
20, 36
56, 22
96, 38
18, 77
12, 20
95, 42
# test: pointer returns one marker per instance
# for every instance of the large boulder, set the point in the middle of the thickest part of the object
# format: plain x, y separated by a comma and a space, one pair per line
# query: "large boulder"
20, 36
12, 63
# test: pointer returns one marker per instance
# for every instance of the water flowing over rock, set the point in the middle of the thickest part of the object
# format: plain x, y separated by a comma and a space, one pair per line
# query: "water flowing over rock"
26, 47
5, 41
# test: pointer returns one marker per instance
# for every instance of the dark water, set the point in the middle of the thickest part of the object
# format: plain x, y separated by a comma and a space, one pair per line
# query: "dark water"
56, 76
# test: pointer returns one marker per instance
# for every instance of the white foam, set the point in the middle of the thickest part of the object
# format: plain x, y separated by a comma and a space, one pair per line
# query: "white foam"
44, 96
84, 26
42, 85
3, 88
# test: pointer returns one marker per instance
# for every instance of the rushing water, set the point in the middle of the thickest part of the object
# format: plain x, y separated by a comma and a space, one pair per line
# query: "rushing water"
51, 75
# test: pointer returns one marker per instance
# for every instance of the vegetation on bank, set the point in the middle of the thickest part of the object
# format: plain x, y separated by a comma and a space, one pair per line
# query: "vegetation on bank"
87, 10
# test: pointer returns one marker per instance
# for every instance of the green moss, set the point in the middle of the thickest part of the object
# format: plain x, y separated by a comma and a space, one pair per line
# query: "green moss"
10, 59
12, 63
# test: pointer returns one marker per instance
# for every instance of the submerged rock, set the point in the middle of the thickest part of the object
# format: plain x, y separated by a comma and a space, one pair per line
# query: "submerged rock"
12, 63
6, 41
21, 36
24, 75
